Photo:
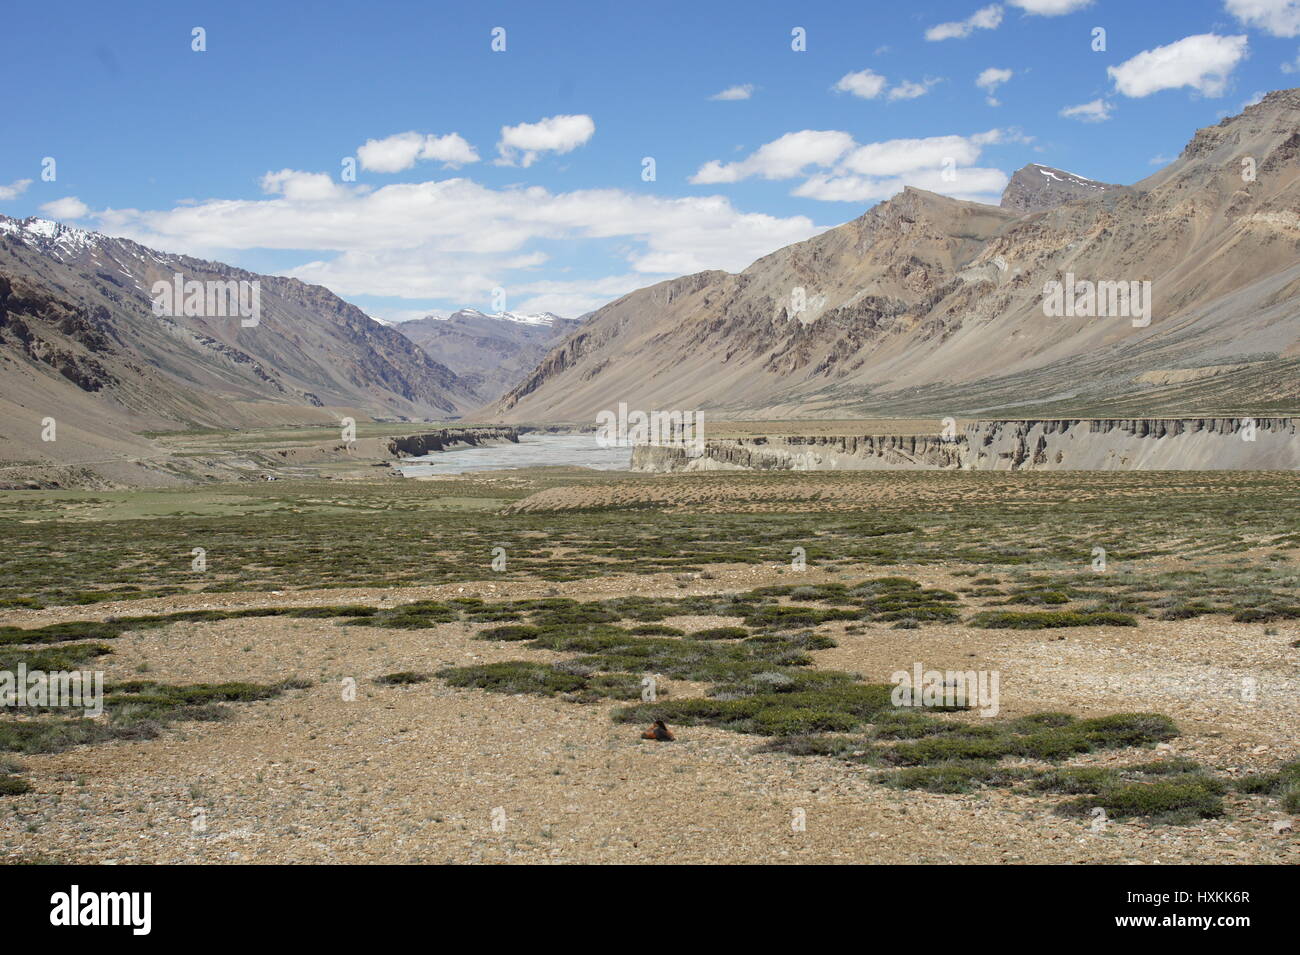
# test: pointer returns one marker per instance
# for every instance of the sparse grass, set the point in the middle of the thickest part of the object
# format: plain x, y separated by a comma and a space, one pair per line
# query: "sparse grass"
511, 633
1047, 619
960, 776
134, 710
1024, 541
543, 679
1175, 800
292, 534
13, 786
402, 678
1283, 783
721, 633
816, 746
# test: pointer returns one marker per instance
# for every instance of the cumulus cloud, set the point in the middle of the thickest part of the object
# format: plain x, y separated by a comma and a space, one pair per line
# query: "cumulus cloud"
300, 186
837, 169
782, 158
520, 145
910, 90
69, 207
743, 91
1278, 17
456, 239
865, 84
1202, 62
971, 183
1050, 8
14, 189
985, 18
1096, 111
574, 298
402, 150
989, 81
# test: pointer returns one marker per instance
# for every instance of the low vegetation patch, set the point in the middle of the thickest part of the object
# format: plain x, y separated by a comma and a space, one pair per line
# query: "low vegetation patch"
1046, 619
402, 678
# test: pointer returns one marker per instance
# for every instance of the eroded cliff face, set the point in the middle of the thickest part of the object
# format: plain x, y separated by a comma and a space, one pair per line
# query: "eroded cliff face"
1157, 444
416, 445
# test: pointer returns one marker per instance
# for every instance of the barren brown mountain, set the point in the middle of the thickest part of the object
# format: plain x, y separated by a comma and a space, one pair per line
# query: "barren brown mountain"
931, 306
80, 343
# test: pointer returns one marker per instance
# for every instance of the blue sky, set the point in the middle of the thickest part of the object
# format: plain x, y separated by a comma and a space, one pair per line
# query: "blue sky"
523, 169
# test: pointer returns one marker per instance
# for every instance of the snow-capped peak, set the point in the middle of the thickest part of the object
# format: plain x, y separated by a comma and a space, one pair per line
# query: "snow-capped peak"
47, 232
1057, 174
542, 318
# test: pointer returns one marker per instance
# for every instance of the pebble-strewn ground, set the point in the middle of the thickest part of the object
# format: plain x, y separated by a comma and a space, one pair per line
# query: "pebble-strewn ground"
414, 773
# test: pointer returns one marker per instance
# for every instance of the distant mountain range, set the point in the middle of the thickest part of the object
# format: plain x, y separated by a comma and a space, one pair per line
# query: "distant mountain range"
924, 305
491, 352
80, 342
931, 306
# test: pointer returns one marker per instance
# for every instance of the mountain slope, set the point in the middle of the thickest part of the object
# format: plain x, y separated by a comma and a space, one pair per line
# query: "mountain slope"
490, 352
79, 342
928, 305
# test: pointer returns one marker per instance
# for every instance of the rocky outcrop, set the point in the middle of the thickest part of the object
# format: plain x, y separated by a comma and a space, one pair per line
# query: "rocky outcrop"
418, 445
1036, 187
1042, 445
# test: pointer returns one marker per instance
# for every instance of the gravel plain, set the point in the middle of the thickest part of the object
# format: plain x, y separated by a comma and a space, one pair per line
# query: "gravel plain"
429, 773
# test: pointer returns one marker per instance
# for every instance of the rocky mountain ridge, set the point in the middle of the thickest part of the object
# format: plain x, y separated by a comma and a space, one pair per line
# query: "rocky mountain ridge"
927, 305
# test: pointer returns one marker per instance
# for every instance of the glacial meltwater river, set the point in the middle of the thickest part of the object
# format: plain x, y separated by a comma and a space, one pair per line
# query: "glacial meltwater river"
533, 450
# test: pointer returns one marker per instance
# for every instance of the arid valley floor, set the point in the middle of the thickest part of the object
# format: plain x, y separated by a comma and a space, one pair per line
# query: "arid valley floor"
349, 679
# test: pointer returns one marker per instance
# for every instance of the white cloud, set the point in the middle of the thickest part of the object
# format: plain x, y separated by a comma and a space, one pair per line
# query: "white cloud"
450, 150
743, 91
575, 297
1255, 97
401, 151
69, 207
14, 189
782, 158
848, 172
989, 81
520, 145
301, 186
835, 168
1293, 66
1202, 62
1278, 17
900, 156
865, 84
985, 18
1050, 8
965, 183
910, 90
455, 240
1096, 111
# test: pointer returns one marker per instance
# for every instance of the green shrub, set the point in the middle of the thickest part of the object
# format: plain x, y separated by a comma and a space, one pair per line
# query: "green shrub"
1179, 799
1047, 619
511, 633
401, 678
721, 633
